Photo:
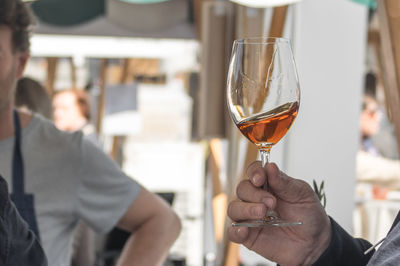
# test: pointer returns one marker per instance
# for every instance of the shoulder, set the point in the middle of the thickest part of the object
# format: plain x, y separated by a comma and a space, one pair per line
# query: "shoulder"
41, 134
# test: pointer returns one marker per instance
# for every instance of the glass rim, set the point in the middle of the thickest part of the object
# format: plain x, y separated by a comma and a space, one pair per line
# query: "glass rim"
262, 40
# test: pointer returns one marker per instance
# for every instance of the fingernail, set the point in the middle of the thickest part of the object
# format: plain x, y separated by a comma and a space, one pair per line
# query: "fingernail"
268, 202
256, 179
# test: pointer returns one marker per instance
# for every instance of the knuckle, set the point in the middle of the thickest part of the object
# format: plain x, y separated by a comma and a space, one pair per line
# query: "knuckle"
252, 167
241, 187
229, 209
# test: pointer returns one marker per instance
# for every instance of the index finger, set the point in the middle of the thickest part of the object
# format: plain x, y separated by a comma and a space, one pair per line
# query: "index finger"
256, 174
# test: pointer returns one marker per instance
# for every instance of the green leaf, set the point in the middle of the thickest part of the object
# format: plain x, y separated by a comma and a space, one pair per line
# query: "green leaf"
319, 190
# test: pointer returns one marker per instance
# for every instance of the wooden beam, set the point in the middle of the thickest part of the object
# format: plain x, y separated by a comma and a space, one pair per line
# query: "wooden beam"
215, 165
219, 200
125, 70
117, 149
215, 32
278, 21
374, 39
233, 251
389, 23
118, 141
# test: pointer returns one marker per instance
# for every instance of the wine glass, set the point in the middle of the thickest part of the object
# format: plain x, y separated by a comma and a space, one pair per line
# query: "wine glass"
263, 97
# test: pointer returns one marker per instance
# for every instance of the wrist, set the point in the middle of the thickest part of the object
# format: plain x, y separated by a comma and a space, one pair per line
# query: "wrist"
320, 244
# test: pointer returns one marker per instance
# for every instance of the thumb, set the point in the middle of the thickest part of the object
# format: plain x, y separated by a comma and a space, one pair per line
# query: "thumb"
284, 186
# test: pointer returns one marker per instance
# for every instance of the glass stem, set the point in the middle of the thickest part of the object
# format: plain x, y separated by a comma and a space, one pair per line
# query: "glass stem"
264, 154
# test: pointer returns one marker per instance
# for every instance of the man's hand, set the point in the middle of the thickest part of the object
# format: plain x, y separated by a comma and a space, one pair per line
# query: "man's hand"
293, 200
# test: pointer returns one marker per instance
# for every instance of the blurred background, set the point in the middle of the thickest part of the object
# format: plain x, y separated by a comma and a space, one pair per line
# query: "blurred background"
155, 72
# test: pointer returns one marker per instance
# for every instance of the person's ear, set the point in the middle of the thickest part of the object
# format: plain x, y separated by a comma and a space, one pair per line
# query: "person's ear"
22, 60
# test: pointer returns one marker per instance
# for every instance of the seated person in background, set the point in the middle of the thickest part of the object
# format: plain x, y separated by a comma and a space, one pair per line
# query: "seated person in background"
385, 140
66, 178
31, 95
373, 168
369, 124
71, 112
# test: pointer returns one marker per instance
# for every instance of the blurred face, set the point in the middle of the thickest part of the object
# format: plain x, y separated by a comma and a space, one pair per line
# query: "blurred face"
12, 65
370, 119
67, 115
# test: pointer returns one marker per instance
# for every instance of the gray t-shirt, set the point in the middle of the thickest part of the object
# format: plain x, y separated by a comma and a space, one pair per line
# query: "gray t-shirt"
71, 179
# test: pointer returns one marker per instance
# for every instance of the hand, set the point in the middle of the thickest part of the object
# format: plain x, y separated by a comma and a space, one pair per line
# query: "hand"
293, 200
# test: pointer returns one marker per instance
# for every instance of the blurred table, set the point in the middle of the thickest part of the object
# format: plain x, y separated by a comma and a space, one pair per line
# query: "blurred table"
373, 218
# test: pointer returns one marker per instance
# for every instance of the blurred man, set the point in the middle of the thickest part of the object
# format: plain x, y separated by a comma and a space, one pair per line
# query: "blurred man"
58, 178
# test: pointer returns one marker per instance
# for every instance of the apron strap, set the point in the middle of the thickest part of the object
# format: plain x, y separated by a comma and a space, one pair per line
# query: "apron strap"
17, 163
24, 202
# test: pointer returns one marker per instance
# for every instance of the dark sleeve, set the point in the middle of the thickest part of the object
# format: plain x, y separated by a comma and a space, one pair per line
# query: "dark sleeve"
344, 249
18, 244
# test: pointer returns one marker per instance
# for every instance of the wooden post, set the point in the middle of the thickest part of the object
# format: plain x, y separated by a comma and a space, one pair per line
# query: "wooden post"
52, 63
278, 21
118, 141
197, 15
73, 72
219, 201
125, 70
215, 34
389, 24
101, 100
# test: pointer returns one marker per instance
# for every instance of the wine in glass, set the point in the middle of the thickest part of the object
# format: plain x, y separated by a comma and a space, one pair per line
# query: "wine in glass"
263, 97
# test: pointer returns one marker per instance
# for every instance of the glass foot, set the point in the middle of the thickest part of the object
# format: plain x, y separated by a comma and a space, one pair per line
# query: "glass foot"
261, 223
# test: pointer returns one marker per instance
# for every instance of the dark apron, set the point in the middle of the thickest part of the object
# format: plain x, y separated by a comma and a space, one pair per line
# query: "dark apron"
23, 202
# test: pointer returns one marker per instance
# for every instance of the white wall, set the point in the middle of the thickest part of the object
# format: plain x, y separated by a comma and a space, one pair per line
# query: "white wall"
330, 50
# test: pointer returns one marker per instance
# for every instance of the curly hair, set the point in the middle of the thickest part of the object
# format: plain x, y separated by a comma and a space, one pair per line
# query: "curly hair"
17, 16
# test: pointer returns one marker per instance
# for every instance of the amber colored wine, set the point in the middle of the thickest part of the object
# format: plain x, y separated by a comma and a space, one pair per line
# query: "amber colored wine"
269, 127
